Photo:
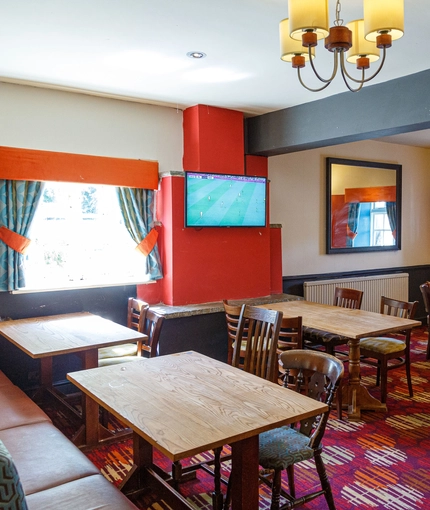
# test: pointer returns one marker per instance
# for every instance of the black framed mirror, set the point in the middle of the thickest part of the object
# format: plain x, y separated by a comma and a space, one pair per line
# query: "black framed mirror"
363, 206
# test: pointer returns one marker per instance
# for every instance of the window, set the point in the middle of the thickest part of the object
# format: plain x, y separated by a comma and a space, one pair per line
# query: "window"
79, 239
381, 234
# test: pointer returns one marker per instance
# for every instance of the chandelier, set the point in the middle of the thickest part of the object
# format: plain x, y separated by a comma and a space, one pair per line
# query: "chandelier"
358, 42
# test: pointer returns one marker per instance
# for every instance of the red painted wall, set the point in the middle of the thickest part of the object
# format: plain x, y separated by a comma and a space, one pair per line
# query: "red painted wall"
275, 260
211, 264
213, 140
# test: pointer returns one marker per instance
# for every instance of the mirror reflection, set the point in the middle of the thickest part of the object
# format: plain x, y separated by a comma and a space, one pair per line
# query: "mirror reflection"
363, 206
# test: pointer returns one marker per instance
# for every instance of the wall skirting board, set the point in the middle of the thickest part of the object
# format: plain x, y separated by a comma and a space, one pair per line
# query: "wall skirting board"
417, 276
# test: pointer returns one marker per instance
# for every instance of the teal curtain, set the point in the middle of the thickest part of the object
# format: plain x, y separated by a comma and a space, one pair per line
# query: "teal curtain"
392, 217
353, 219
18, 203
137, 207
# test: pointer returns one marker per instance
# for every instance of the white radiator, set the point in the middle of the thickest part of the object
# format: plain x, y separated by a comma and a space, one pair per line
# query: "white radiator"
394, 286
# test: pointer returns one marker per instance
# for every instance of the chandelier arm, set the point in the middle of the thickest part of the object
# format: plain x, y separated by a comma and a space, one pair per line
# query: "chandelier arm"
363, 80
335, 67
345, 76
309, 88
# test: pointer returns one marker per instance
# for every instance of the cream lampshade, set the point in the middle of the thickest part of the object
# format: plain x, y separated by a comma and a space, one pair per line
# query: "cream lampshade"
383, 16
308, 15
291, 47
360, 46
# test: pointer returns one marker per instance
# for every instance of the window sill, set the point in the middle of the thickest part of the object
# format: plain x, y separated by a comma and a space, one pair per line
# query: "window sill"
75, 286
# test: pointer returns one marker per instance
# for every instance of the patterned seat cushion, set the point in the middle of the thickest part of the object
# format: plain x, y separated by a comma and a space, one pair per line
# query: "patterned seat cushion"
318, 336
117, 351
383, 345
11, 491
282, 447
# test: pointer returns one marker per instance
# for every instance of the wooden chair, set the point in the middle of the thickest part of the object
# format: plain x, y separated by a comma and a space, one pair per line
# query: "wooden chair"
136, 313
253, 341
315, 338
386, 353
260, 328
152, 326
290, 337
425, 291
232, 314
317, 375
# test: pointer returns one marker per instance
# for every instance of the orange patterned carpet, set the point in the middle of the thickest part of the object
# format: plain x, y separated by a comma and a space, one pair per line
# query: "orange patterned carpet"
381, 462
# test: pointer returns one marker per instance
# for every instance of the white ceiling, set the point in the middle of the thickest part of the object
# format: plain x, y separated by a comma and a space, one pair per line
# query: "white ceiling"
136, 50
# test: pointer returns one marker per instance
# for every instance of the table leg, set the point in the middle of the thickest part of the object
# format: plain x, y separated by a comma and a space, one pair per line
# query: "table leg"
144, 476
88, 433
244, 473
46, 372
354, 393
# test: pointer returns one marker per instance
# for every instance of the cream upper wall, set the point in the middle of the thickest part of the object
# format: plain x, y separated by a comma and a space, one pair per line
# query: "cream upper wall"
297, 201
36, 118
43, 119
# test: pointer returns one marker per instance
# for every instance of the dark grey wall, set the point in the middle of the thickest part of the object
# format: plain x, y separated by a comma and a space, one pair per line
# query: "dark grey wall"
393, 107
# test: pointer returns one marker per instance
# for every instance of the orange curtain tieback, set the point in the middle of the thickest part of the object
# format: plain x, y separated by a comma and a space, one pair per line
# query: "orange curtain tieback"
15, 241
147, 244
350, 233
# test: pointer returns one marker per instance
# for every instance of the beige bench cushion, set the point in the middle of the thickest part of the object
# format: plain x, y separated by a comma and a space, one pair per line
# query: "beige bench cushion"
91, 492
17, 409
44, 457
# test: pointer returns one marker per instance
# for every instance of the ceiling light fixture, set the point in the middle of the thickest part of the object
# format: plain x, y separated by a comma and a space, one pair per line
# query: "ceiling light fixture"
360, 40
196, 54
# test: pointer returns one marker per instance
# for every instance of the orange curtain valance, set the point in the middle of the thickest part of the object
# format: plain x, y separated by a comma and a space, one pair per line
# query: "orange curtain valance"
375, 194
34, 165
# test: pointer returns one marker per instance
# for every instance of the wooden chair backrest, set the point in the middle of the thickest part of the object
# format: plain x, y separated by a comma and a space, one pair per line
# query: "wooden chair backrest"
425, 291
232, 314
348, 298
404, 309
261, 328
317, 375
291, 333
136, 312
152, 327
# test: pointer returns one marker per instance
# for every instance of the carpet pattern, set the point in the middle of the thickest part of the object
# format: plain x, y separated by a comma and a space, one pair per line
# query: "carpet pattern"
380, 462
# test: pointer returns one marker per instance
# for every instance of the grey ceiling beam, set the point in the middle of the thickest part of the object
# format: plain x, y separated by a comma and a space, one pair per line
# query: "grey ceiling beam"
390, 108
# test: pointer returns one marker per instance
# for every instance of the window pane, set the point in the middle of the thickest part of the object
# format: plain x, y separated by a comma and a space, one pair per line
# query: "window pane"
79, 238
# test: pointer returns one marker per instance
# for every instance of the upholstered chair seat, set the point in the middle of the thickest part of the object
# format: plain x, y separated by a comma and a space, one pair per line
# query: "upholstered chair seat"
283, 447
380, 344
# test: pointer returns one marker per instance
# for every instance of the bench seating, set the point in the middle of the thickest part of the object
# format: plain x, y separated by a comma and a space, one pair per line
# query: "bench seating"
50, 470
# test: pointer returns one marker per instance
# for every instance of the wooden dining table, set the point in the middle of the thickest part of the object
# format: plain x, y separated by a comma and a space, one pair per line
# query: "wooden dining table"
79, 333
353, 324
187, 403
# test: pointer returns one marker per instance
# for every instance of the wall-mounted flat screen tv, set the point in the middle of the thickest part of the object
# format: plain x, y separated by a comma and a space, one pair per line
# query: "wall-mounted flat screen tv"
220, 200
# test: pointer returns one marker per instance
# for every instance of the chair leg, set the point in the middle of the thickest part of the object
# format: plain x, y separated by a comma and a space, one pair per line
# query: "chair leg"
291, 482
428, 341
227, 499
217, 497
383, 381
408, 373
276, 489
325, 484
339, 401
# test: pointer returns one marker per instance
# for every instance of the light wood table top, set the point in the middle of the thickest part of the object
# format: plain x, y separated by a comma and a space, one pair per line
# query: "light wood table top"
65, 334
342, 321
73, 333
353, 324
187, 403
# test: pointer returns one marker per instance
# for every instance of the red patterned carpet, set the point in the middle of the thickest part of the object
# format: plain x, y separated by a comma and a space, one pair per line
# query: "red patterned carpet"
379, 462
